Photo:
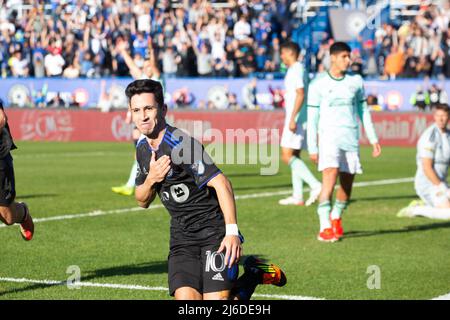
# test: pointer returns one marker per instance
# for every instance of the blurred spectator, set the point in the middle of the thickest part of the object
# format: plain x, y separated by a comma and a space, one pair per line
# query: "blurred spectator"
54, 63
394, 62
232, 101
437, 96
18, 65
249, 93
56, 102
420, 99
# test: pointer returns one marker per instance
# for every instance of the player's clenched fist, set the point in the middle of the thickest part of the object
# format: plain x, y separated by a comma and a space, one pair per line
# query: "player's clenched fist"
159, 168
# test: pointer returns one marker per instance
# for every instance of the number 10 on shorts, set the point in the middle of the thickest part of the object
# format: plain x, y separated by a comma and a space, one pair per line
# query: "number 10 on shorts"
211, 261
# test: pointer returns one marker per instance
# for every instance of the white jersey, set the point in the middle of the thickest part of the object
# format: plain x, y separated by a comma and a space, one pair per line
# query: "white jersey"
433, 144
292, 81
334, 106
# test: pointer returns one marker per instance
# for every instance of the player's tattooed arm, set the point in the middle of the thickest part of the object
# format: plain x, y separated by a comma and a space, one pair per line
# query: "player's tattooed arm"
146, 192
231, 242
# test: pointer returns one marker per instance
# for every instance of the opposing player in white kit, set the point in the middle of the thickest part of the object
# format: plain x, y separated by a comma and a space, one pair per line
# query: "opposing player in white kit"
433, 159
293, 132
335, 101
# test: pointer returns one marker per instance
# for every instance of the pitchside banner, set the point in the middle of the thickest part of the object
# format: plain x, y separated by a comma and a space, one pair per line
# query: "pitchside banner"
394, 129
194, 93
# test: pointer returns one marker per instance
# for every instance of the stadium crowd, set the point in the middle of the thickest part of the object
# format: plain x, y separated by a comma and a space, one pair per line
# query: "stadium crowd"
228, 38
78, 38
415, 48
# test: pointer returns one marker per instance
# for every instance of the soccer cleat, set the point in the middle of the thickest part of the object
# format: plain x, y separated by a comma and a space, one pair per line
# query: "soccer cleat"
123, 190
266, 273
313, 195
291, 200
337, 228
327, 235
27, 225
406, 212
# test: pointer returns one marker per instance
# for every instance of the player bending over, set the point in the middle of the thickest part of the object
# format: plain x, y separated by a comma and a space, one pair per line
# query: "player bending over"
433, 158
205, 244
11, 212
335, 102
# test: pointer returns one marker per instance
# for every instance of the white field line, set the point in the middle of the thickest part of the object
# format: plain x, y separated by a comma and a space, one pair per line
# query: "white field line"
97, 213
443, 297
134, 287
147, 288
67, 154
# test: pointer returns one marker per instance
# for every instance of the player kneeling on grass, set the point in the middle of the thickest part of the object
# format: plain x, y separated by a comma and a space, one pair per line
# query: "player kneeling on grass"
433, 158
335, 102
205, 243
11, 212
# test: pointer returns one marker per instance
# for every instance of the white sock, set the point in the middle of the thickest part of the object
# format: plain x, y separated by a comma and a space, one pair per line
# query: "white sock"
430, 212
323, 210
132, 179
301, 170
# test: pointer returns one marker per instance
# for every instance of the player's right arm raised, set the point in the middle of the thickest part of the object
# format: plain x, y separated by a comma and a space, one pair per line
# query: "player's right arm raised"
146, 192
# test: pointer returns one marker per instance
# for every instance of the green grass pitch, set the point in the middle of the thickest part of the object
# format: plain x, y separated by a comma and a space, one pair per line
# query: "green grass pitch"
130, 248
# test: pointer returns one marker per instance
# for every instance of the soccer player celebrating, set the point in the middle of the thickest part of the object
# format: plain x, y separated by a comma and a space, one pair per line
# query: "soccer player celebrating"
335, 102
433, 159
293, 131
205, 244
11, 212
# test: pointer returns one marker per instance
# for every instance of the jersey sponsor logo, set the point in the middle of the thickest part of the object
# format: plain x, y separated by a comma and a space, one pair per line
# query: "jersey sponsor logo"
211, 261
218, 277
179, 192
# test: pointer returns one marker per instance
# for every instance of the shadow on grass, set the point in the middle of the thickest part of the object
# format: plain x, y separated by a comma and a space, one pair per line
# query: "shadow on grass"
128, 270
377, 198
32, 196
425, 227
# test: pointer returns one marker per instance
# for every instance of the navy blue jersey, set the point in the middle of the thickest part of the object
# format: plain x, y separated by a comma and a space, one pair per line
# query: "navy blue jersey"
6, 140
193, 205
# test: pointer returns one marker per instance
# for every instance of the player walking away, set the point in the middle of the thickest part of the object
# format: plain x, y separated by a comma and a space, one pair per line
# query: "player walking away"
335, 101
11, 212
149, 71
205, 244
433, 158
293, 131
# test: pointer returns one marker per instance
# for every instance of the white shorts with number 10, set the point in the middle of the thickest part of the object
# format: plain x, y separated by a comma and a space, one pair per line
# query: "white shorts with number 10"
330, 156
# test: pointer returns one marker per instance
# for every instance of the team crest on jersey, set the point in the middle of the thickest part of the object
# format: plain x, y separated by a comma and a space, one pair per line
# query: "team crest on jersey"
179, 192
198, 168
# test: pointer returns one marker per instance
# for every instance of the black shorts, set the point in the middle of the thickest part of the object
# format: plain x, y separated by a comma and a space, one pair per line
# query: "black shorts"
201, 268
7, 181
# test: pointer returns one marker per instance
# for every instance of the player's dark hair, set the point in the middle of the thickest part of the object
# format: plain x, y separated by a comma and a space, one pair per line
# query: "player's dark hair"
443, 107
146, 86
339, 47
292, 46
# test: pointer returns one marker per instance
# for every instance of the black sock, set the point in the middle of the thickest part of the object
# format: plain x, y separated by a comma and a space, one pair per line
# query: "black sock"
245, 286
